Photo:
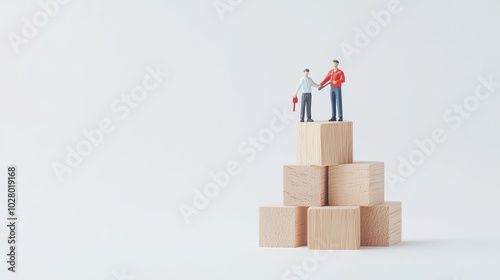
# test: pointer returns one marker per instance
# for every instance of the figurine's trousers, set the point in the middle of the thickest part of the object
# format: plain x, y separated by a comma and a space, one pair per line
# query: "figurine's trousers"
306, 103
336, 100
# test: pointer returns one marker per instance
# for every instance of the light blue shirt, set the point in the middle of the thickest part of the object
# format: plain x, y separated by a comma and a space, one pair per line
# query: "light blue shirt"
305, 84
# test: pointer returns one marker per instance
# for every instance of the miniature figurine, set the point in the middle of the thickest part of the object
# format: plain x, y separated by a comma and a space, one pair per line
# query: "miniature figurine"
336, 78
305, 84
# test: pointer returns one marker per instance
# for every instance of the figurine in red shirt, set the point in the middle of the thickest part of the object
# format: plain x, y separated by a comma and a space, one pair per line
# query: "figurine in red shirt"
336, 78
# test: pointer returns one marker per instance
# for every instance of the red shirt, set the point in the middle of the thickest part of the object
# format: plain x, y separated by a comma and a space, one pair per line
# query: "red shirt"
334, 76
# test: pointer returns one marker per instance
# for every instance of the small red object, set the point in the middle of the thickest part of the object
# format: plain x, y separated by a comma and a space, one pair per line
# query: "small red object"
295, 101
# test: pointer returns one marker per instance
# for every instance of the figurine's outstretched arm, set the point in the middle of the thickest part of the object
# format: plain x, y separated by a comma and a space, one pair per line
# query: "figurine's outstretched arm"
314, 83
327, 78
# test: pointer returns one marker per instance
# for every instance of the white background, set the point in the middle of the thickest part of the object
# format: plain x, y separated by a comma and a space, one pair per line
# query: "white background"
116, 215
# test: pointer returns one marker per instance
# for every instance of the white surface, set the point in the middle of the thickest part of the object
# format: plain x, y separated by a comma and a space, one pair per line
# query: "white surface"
119, 208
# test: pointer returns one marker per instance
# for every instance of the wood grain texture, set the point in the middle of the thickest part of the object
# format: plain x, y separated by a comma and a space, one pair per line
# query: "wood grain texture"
282, 226
333, 228
304, 185
358, 183
381, 224
324, 143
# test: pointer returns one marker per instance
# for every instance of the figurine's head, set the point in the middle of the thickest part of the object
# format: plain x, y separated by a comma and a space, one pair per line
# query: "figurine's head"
306, 72
335, 64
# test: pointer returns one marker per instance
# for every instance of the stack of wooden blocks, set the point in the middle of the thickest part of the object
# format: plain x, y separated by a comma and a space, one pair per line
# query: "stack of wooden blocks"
330, 202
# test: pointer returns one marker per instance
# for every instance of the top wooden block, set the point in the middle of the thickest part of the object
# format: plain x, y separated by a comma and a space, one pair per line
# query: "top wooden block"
324, 143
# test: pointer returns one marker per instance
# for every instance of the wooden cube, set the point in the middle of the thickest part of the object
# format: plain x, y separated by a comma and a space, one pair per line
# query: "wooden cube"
358, 183
333, 227
381, 224
324, 143
282, 226
304, 185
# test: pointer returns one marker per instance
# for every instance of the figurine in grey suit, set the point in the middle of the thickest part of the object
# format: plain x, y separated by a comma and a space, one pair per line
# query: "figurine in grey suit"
305, 84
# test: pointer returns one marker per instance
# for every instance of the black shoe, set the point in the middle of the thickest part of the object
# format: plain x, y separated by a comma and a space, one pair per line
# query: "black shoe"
310, 120
340, 119
301, 120
332, 119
